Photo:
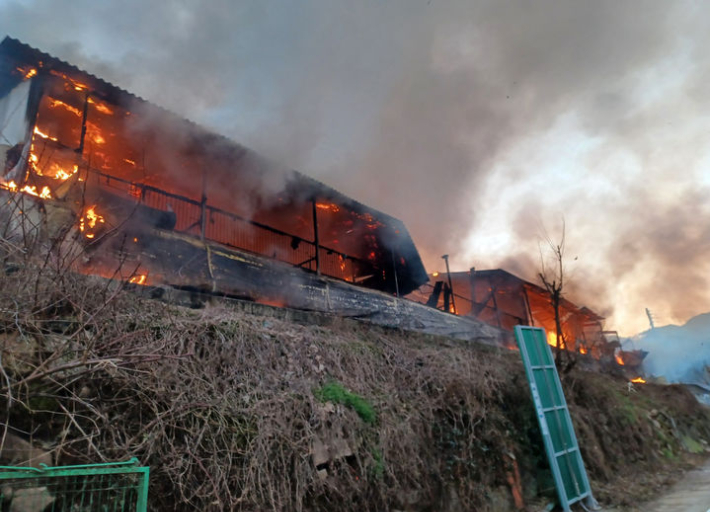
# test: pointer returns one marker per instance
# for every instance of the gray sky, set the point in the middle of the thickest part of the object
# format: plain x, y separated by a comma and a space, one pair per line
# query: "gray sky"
480, 124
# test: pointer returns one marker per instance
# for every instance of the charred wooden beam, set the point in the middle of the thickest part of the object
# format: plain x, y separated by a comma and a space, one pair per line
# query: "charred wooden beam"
434, 297
182, 260
316, 240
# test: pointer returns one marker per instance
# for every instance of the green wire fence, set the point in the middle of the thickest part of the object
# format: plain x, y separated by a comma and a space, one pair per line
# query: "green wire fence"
112, 487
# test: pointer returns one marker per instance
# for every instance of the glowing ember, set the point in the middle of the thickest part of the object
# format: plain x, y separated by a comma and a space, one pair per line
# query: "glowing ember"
278, 303
27, 73
78, 86
89, 221
44, 135
58, 103
638, 380
582, 350
101, 107
328, 206
138, 279
135, 191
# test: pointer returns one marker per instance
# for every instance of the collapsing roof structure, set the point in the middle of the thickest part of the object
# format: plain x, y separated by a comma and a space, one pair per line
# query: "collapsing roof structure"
125, 166
504, 300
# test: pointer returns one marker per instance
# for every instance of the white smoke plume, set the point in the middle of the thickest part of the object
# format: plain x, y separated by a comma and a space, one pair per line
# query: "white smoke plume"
680, 353
476, 123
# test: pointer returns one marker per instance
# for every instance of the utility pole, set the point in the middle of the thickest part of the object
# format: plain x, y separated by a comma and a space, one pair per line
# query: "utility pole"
451, 287
650, 318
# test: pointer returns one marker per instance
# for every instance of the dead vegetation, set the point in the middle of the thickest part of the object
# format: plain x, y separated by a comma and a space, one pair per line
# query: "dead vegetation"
230, 409
237, 411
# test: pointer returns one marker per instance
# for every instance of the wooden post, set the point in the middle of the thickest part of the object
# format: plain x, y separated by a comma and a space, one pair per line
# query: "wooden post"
451, 286
394, 269
531, 320
472, 281
316, 240
82, 138
494, 290
203, 213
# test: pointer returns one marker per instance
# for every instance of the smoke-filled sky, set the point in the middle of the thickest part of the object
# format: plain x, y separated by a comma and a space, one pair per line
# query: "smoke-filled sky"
481, 124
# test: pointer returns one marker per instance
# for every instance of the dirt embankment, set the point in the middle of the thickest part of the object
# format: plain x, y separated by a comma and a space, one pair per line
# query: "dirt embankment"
237, 411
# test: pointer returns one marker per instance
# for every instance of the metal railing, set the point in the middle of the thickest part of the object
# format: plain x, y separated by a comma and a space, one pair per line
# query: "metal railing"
210, 223
484, 312
199, 218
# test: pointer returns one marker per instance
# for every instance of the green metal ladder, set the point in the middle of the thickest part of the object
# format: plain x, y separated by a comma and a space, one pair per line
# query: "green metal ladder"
555, 422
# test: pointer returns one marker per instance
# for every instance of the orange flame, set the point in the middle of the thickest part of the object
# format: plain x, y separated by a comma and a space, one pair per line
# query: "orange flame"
27, 73
58, 103
139, 279
88, 222
45, 193
55, 171
61, 174
328, 206
552, 339
101, 107
44, 135
135, 191
78, 86
618, 358
638, 380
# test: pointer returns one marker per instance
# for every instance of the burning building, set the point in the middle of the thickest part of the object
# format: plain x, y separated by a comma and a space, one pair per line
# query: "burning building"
155, 199
504, 300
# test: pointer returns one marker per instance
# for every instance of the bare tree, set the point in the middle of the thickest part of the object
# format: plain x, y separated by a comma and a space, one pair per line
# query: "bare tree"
552, 275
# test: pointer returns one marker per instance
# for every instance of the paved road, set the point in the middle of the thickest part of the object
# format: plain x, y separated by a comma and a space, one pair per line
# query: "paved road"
691, 494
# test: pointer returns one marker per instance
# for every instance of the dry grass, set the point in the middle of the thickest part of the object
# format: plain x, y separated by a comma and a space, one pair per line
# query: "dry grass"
228, 408
225, 407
